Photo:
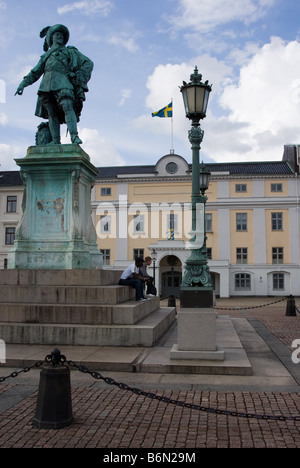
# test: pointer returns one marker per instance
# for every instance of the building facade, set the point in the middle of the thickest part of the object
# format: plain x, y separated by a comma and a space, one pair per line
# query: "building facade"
252, 222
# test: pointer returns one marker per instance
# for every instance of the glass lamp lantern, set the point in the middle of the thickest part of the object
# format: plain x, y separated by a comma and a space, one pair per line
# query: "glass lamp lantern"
195, 97
204, 178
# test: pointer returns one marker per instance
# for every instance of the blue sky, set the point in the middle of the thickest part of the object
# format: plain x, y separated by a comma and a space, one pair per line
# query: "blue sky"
142, 51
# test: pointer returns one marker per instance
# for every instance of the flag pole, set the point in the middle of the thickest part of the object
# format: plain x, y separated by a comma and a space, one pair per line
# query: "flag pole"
172, 130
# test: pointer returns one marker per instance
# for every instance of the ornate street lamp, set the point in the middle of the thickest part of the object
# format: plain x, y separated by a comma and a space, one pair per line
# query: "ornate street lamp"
196, 288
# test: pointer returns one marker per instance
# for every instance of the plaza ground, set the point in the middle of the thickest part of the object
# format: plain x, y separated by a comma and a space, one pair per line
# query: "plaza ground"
110, 416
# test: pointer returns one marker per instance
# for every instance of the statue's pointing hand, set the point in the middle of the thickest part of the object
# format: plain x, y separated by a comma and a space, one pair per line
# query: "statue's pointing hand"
20, 90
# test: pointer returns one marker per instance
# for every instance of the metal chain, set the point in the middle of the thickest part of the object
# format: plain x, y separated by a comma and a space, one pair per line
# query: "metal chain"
252, 307
56, 358
110, 381
25, 369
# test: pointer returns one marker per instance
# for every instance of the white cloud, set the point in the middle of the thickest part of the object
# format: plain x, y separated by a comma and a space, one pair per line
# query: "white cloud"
3, 119
260, 112
163, 86
87, 7
101, 151
125, 41
125, 94
266, 102
205, 15
7, 155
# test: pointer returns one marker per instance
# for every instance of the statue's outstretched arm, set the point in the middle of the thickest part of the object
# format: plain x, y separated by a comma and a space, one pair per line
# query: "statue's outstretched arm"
31, 78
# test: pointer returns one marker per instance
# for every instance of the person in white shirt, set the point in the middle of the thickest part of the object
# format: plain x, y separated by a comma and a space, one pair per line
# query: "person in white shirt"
131, 276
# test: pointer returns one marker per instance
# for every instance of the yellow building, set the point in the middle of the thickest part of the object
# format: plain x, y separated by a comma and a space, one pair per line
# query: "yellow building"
252, 221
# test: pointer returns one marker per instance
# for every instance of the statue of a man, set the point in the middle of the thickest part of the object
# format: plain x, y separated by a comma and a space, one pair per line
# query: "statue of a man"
66, 72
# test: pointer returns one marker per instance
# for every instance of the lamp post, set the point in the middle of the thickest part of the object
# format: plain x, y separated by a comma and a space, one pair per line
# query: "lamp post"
196, 288
154, 257
197, 338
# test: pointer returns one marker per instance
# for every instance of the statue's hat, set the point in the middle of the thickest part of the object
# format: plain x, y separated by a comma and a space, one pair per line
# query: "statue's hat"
50, 30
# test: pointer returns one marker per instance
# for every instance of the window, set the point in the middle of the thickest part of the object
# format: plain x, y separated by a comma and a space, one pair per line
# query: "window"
11, 206
209, 253
172, 168
208, 222
241, 188
276, 187
278, 281
241, 221
10, 235
138, 253
138, 223
105, 191
173, 222
242, 255
106, 256
105, 223
242, 282
277, 255
277, 221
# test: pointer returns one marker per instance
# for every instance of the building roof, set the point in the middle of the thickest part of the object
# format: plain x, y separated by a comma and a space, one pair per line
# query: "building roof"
247, 168
10, 178
252, 168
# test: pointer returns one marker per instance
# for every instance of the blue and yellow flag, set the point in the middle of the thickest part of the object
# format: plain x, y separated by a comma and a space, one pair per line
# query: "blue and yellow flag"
165, 112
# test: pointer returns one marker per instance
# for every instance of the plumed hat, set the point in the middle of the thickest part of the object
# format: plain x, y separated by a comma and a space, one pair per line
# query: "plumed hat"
50, 30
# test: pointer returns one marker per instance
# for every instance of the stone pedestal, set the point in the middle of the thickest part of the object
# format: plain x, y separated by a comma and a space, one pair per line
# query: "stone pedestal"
197, 336
56, 230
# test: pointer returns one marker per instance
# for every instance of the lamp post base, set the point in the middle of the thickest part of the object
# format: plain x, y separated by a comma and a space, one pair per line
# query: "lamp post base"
197, 336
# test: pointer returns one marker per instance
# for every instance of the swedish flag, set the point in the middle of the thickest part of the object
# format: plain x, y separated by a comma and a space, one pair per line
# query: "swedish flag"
165, 112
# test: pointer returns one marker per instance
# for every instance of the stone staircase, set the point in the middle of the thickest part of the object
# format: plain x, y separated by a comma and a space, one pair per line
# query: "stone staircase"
77, 307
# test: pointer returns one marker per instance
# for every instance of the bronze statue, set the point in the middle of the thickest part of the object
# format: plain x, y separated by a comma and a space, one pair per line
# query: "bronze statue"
66, 72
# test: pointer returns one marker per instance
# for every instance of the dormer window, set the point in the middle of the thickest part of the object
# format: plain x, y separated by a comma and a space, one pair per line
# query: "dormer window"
171, 168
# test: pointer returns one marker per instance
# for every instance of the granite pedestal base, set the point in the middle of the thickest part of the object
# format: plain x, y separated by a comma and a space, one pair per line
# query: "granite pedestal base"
197, 336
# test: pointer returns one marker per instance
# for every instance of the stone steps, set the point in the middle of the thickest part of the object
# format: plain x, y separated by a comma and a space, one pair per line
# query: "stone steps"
77, 307
59, 277
146, 333
127, 313
36, 294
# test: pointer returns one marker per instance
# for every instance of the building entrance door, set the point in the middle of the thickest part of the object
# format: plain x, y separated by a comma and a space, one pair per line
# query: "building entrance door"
171, 281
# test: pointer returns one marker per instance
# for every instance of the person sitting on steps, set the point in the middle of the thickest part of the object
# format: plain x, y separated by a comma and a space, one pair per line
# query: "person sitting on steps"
151, 289
131, 276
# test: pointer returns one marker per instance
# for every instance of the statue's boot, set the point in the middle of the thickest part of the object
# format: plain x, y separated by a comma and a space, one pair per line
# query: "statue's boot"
54, 127
71, 122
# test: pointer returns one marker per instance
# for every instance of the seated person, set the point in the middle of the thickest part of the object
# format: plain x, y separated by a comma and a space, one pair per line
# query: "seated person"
151, 289
132, 276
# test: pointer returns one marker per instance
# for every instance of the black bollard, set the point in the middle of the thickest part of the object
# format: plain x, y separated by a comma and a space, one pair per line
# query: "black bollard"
171, 301
291, 307
54, 404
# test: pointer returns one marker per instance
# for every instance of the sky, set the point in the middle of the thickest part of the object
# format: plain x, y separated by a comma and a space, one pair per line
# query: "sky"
249, 50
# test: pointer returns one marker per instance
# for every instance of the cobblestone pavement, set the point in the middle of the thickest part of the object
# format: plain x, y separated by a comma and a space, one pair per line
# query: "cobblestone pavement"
113, 418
